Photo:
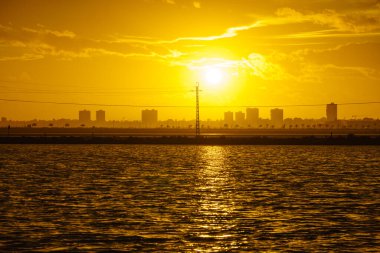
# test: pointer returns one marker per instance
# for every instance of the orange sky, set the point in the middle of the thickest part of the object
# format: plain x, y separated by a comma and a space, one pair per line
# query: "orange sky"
151, 52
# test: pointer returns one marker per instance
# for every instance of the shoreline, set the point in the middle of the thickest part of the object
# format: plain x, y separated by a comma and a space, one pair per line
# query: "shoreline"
192, 140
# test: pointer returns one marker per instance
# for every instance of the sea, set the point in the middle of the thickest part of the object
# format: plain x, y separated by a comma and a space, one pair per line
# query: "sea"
173, 198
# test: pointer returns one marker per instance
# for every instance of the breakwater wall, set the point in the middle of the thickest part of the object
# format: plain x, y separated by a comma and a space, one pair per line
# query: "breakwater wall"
202, 140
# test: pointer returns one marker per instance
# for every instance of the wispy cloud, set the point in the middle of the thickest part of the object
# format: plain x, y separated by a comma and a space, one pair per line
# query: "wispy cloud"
357, 21
254, 64
195, 4
229, 33
24, 57
169, 1
41, 42
41, 30
332, 33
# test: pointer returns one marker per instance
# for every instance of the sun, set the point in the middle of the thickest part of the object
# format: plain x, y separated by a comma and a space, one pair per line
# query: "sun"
213, 76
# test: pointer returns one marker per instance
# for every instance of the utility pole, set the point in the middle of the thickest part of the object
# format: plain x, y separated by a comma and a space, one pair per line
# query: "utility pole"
197, 127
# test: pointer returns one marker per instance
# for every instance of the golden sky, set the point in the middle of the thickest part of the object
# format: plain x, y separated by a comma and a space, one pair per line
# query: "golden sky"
151, 52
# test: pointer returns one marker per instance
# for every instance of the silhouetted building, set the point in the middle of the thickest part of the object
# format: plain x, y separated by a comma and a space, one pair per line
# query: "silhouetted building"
229, 118
252, 116
332, 112
277, 117
149, 118
3, 119
240, 118
101, 116
84, 116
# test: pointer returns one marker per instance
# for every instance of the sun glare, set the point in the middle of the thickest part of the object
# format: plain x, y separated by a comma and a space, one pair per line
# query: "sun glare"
213, 76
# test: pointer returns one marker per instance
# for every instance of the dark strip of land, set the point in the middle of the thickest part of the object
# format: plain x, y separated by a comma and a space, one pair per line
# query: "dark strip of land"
151, 132
202, 140
24, 135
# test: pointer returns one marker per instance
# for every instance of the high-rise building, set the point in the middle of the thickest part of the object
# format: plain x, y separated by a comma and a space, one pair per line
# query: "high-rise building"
332, 112
149, 118
100, 116
3, 119
84, 116
277, 117
240, 118
229, 118
252, 116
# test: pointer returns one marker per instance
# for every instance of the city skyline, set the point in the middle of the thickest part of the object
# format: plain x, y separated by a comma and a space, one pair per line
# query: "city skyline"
250, 116
149, 53
250, 119
251, 112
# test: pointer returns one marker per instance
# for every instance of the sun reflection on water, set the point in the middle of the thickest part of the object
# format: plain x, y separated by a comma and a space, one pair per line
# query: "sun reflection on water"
216, 205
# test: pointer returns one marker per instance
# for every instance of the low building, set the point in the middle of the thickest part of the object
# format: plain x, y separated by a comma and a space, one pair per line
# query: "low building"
149, 118
277, 117
84, 116
252, 115
100, 116
332, 112
240, 118
229, 119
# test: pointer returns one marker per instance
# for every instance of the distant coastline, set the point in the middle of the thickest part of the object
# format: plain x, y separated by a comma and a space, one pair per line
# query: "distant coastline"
191, 140
99, 131
186, 136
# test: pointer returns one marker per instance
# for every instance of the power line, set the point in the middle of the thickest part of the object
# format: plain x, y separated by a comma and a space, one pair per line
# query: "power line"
93, 89
84, 104
10, 90
179, 106
92, 92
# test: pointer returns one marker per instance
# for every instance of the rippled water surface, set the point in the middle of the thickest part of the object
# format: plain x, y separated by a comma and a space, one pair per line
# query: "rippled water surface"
189, 198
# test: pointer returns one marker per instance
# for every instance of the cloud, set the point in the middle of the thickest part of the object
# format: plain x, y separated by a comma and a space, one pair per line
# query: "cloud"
254, 64
197, 4
354, 23
229, 33
365, 54
41, 42
307, 65
365, 22
26, 35
43, 31
260, 66
357, 21
315, 73
169, 1
324, 65
24, 57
